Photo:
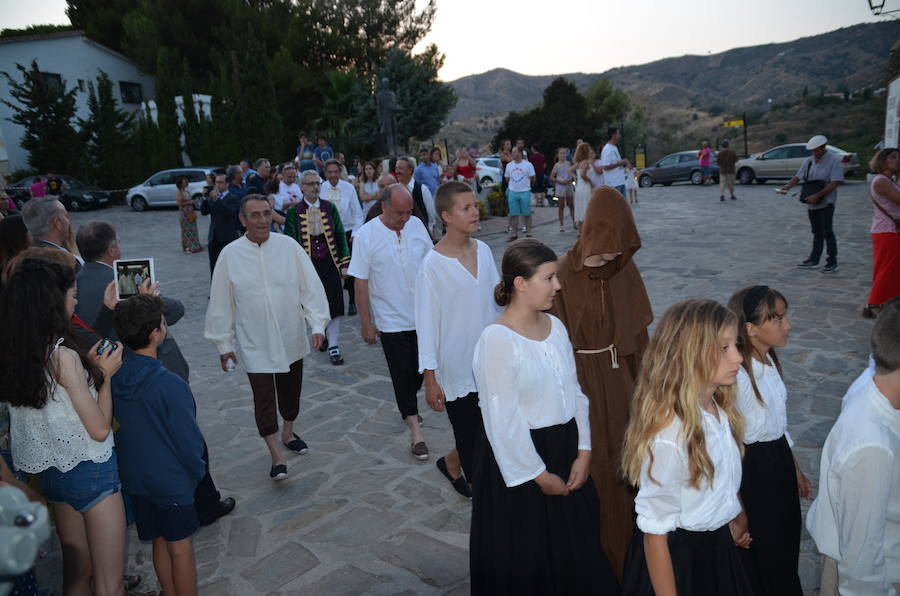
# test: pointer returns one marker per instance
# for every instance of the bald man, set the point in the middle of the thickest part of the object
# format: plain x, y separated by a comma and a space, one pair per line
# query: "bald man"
388, 253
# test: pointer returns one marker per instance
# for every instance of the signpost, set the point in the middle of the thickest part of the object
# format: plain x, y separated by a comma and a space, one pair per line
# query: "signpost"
742, 122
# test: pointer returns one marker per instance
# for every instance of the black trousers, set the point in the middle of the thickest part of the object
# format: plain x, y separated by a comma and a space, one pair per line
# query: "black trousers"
206, 495
465, 418
213, 249
401, 350
349, 284
821, 221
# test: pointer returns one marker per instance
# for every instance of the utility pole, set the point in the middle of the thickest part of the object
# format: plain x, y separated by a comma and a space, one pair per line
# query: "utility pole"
744, 116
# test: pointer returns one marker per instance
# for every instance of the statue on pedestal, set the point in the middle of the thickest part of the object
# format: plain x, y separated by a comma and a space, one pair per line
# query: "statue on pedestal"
386, 102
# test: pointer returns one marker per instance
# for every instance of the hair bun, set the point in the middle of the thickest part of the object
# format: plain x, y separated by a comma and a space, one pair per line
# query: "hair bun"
502, 296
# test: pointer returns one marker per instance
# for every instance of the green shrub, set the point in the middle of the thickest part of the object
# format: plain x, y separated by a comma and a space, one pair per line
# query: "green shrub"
497, 201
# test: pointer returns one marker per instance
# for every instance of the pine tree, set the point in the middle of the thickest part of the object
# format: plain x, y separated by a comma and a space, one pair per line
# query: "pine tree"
169, 147
46, 111
108, 156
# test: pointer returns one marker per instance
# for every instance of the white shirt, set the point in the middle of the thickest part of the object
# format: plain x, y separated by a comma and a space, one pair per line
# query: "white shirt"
287, 193
525, 384
261, 298
519, 175
673, 503
608, 156
429, 203
855, 519
764, 421
596, 177
452, 309
390, 262
863, 378
345, 199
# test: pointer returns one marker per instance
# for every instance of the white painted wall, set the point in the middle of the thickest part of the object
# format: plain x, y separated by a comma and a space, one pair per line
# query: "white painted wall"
73, 57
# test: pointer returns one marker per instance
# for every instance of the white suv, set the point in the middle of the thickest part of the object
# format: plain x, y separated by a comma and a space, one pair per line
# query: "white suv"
159, 189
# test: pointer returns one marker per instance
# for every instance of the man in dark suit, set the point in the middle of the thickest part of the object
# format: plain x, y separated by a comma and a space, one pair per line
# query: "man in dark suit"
223, 205
99, 245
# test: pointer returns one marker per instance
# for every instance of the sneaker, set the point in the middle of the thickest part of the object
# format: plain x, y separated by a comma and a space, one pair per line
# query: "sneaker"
721, 198
830, 268
733, 198
334, 353
459, 485
419, 451
297, 445
808, 264
522, 229
278, 472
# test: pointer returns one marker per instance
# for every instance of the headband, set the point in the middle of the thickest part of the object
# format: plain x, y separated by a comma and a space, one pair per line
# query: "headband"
752, 300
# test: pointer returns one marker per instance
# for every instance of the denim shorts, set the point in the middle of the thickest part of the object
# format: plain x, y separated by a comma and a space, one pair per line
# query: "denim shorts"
705, 170
167, 519
83, 486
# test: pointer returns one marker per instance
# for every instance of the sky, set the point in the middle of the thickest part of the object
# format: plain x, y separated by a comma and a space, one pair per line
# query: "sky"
560, 36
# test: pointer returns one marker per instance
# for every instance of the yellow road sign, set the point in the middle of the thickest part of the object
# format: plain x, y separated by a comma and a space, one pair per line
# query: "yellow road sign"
733, 123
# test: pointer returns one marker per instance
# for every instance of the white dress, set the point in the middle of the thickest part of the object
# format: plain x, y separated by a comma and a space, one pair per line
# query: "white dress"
583, 192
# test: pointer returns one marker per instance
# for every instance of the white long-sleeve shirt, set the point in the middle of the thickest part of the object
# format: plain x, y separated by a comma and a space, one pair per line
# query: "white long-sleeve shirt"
260, 299
670, 502
525, 384
452, 309
765, 421
855, 519
344, 196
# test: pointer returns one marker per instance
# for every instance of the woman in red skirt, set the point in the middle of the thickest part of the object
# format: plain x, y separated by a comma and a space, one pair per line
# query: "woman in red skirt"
885, 195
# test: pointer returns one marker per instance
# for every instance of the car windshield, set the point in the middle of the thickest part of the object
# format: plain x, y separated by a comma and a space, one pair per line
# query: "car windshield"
72, 183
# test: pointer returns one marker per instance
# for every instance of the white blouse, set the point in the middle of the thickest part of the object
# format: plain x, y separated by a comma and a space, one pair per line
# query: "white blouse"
855, 519
764, 421
452, 309
54, 436
525, 384
261, 298
673, 503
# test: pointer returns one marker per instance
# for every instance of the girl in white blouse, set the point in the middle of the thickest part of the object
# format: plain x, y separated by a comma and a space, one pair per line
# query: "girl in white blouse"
683, 450
535, 511
772, 482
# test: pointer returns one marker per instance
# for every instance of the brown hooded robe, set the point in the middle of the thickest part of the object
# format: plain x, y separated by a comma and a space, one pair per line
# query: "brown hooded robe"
603, 306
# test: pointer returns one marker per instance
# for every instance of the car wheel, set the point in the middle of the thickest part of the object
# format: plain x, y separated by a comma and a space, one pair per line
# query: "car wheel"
486, 181
645, 181
745, 176
761, 180
138, 203
696, 177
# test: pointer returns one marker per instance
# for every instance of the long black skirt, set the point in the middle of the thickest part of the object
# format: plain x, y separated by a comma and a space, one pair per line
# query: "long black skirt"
525, 542
704, 563
331, 281
772, 504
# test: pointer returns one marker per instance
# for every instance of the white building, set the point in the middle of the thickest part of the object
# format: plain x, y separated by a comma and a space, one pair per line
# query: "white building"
70, 58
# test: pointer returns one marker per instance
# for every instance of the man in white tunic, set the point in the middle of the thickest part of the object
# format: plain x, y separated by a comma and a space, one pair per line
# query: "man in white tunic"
386, 260
256, 277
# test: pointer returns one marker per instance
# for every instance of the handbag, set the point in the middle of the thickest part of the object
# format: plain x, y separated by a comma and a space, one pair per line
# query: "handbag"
810, 187
888, 215
191, 216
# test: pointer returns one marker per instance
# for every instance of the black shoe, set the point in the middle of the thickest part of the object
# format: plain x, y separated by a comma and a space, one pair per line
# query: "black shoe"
830, 268
335, 354
460, 484
733, 198
226, 506
721, 198
808, 264
278, 472
351, 310
297, 445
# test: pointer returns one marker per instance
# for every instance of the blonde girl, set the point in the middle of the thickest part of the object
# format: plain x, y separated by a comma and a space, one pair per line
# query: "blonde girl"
683, 450
561, 176
584, 186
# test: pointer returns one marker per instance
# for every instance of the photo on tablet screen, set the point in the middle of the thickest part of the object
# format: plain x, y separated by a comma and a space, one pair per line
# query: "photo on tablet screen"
130, 274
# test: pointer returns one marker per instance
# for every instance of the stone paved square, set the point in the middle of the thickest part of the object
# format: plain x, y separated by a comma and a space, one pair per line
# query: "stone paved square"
358, 515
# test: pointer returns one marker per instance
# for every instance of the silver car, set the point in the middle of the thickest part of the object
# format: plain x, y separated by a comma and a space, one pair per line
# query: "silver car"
159, 189
781, 163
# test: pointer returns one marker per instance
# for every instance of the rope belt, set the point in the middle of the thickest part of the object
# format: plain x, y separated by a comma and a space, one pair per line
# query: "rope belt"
611, 348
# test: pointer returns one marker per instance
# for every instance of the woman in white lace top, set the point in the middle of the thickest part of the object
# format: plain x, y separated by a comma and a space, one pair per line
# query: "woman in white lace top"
60, 414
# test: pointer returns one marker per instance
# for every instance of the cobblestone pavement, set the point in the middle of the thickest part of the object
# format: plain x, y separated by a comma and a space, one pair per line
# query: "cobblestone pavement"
359, 515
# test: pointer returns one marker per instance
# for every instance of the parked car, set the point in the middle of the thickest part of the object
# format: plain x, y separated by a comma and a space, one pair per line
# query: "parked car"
677, 167
782, 162
487, 170
76, 195
159, 189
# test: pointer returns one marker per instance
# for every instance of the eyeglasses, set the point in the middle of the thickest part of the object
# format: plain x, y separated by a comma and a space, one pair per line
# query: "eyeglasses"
312, 184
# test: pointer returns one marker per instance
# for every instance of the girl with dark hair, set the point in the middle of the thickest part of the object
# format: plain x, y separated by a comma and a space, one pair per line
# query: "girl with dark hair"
190, 238
534, 508
14, 238
367, 186
772, 481
60, 414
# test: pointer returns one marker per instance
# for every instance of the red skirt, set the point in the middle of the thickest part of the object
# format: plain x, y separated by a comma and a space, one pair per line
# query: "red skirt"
886, 267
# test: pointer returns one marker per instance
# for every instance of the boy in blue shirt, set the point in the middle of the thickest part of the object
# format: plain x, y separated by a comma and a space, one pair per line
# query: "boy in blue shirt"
159, 445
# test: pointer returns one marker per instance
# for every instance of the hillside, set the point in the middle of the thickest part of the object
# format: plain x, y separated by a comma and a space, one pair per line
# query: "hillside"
847, 59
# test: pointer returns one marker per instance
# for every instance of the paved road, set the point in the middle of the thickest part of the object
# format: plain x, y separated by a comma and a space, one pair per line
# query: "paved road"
358, 515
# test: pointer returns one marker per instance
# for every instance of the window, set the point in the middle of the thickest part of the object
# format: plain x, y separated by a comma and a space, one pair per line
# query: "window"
161, 178
686, 157
799, 151
81, 85
671, 160
131, 92
52, 80
777, 153
195, 175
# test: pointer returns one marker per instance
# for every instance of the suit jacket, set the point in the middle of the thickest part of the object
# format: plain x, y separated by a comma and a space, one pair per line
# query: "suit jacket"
224, 225
92, 282
38, 243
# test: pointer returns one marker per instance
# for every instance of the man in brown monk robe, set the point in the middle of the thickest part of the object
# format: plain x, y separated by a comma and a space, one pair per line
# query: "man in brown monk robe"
605, 307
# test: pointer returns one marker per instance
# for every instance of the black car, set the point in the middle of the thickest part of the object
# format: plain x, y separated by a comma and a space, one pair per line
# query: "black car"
677, 167
76, 195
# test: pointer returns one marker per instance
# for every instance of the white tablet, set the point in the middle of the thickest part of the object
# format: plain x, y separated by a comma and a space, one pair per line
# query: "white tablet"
130, 274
